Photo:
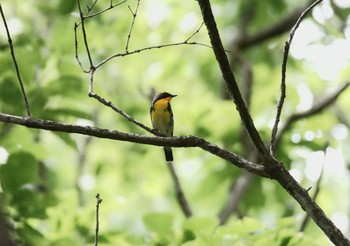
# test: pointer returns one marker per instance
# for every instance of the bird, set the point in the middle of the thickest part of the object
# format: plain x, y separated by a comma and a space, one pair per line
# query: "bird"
163, 119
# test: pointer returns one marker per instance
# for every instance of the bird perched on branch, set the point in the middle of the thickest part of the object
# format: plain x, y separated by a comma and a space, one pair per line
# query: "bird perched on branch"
162, 118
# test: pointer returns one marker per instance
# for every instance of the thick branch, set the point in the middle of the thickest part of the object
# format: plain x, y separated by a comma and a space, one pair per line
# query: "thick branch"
284, 178
186, 141
229, 78
282, 26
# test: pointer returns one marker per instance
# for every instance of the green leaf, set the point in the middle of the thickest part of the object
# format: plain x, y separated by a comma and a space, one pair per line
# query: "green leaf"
205, 225
20, 169
161, 223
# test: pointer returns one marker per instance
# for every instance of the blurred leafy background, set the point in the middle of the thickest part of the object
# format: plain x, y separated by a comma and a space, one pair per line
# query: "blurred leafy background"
49, 179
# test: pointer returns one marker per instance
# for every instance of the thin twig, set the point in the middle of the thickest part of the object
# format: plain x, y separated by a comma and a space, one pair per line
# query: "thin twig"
76, 48
148, 48
134, 15
194, 33
315, 109
119, 111
180, 195
283, 79
98, 202
82, 18
111, 6
16, 64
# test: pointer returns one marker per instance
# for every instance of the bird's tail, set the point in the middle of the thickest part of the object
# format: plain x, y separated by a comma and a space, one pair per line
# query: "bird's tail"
168, 154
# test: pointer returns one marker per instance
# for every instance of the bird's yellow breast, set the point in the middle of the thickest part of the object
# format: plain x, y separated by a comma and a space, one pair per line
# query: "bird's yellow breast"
162, 117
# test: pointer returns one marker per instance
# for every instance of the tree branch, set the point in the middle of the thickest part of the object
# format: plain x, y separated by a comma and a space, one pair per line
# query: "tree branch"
315, 109
180, 195
237, 191
277, 29
230, 80
97, 226
15, 63
283, 79
186, 141
134, 15
276, 169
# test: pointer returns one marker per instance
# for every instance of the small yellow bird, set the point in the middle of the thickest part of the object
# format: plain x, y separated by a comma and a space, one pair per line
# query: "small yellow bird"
162, 118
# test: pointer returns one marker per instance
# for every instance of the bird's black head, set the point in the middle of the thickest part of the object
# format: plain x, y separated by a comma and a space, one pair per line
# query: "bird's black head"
163, 95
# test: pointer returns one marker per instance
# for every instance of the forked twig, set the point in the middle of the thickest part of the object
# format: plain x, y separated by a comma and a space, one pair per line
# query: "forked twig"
16, 64
82, 18
134, 15
283, 79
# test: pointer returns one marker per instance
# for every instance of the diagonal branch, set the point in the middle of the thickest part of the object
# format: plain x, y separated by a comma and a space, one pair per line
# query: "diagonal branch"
186, 141
134, 15
315, 109
15, 63
283, 79
230, 80
180, 195
282, 26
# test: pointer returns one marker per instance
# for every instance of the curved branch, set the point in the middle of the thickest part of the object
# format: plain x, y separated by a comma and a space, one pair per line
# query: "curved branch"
283, 77
315, 109
186, 141
274, 30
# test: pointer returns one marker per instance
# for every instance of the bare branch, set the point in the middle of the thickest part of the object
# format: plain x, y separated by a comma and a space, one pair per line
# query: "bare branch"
230, 80
283, 79
186, 141
111, 6
280, 27
119, 111
148, 48
98, 202
15, 63
134, 15
180, 195
237, 191
82, 18
317, 108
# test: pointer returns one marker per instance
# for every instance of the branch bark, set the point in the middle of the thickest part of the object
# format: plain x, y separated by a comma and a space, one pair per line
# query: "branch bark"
275, 168
230, 80
282, 26
186, 141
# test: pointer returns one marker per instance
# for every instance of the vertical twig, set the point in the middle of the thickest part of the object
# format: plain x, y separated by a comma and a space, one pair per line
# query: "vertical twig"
180, 196
283, 77
97, 226
15, 63
134, 15
82, 18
